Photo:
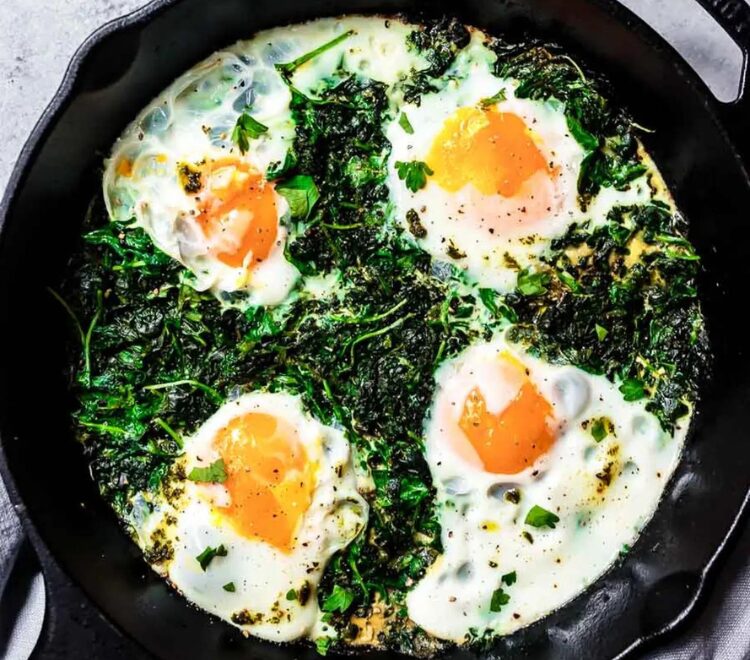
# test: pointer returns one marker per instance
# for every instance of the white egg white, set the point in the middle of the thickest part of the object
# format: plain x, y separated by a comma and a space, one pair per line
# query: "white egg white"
603, 493
187, 516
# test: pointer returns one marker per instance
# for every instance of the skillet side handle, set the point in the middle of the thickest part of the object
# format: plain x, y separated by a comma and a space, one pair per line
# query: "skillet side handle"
734, 17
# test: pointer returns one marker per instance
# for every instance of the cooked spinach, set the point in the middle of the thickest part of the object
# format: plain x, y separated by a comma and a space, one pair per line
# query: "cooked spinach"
635, 276
604, 130
439, 41
155, 357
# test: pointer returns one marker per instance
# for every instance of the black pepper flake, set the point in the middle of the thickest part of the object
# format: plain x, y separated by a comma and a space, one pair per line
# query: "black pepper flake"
414, 222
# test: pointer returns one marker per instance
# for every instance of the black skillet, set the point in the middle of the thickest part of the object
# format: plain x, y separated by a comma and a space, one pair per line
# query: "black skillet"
701, 146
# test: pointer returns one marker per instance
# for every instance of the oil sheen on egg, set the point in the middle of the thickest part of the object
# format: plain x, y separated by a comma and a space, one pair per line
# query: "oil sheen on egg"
508, 433
502, 172
285, 499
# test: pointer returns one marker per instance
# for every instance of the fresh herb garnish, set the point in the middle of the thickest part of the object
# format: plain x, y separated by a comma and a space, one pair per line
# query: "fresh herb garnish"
207, 556
540, 517
403, 122
493, 100
499, 598
532, 284
339, 600
509, 578
214, 473
290, 67
301, 193
247, 128
600, 428
414, 174
632, 389
229, 586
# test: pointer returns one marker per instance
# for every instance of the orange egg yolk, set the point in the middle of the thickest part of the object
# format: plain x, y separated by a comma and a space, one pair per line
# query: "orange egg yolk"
269, 478
513, 439
238, 204
492, 150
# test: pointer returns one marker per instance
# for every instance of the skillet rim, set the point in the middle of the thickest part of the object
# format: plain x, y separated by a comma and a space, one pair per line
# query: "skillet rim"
717, 111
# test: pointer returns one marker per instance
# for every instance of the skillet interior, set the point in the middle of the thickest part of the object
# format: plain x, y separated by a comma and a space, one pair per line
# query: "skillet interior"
661, 576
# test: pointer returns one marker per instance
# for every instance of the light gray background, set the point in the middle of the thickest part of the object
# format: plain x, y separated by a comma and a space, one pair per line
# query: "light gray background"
38, 37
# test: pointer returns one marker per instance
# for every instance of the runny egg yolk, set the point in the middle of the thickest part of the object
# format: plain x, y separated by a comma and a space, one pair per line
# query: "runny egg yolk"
513, 439
492, 150
237, 212
269, 478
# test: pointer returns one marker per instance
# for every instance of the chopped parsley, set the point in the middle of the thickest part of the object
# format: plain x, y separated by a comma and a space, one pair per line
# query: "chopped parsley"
414, 174
214, 473
338, 600
403, 122
499, 598
301, 193
247, 128
509, 578
229, 586
207, 556
540, 517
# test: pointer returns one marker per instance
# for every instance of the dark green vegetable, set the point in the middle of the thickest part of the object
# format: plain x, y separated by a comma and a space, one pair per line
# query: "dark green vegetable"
414, 174
604, 130
208, 555
214, 473
499, 598
403, 122
229, 586
247, 129
540, 517
439, 41
601, 428
655, 344
301, 193
493, 100
155, 357
340, 599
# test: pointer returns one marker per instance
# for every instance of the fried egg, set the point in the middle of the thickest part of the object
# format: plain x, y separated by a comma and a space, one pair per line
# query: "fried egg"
501, 173
265, 494
179, 175
543, 473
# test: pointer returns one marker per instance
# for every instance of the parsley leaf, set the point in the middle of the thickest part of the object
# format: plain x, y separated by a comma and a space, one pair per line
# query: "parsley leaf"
291, 594
339, 599
601, 331
414, 174
493, 100
492, 302
601, 428
229, 586
539, 517
499, 598
586, 139
509, 578
206, 557
247, 129
213, 474
413, 491
403, 122
301, 193
532, 284
632, 389
289, 67
322, 644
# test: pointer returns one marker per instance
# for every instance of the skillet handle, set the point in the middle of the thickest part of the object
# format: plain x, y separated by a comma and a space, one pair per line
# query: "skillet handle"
734, 17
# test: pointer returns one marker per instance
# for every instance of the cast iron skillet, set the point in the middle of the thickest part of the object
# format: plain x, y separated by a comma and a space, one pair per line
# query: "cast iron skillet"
700, 146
